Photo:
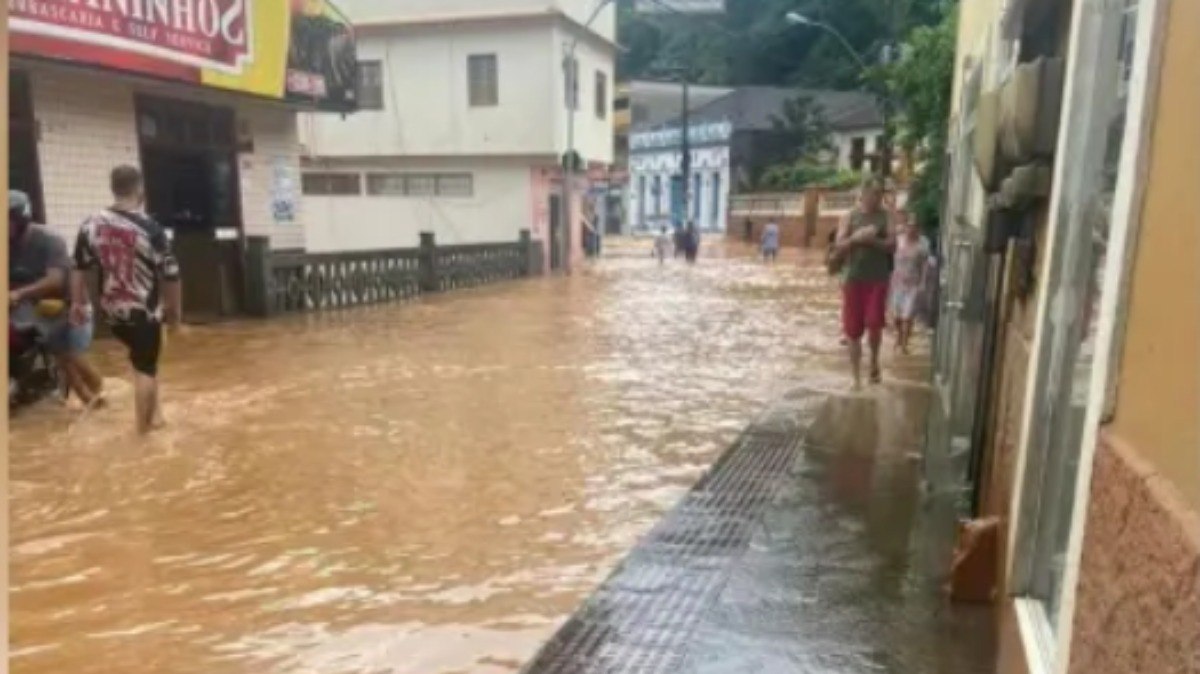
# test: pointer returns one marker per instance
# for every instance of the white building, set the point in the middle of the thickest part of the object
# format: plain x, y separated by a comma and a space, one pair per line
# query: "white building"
733, 139
654, 160
462, 126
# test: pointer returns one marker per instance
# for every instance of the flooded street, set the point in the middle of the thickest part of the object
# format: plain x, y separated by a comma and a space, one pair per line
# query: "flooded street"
423, 488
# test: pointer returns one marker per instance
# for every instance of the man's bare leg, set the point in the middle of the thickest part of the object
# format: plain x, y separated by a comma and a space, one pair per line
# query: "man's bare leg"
81, 379
876, 340
856, 362
88, 375
145, 398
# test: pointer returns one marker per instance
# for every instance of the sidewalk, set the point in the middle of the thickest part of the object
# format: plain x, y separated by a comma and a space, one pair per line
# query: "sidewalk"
806, 549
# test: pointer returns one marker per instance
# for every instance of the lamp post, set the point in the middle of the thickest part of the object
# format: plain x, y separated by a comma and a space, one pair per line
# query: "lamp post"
798, 19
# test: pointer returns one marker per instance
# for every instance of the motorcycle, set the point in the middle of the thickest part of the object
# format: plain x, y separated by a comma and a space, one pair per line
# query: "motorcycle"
32, 372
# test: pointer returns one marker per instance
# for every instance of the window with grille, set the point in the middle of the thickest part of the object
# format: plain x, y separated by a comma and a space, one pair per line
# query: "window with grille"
483, 80
331, 184
386, 184
421, 184
456, 185
370, 85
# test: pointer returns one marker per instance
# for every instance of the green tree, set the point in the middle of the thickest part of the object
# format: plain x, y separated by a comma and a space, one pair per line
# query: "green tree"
920, 84
752, 43
800, 131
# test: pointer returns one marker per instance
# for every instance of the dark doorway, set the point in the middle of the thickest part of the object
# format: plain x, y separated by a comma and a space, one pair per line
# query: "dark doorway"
24, 171
189, 157
556, 233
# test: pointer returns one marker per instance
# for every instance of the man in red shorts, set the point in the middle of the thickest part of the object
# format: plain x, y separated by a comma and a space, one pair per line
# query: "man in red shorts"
865, 241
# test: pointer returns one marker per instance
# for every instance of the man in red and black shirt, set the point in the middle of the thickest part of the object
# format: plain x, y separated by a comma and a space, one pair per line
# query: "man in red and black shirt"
139, 283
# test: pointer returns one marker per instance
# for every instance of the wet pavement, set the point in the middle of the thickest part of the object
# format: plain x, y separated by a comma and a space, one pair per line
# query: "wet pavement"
807, 550
427, 488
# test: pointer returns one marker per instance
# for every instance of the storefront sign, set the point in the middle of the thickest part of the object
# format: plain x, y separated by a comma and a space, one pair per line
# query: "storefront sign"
301, 50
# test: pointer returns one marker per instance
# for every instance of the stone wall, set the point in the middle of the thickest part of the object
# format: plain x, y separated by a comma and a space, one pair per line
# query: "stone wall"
1138, 602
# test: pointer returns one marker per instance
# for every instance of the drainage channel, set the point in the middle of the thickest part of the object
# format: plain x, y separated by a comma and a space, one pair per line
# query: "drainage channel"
641, 619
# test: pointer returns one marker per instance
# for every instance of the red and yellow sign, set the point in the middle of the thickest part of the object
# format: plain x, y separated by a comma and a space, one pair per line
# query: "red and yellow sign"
252, 46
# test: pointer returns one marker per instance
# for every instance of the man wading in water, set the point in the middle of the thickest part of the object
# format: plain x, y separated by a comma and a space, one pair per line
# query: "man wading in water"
139, 278
865, 241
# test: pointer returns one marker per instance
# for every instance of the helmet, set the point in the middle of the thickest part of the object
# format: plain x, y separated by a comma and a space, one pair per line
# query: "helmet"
20, 206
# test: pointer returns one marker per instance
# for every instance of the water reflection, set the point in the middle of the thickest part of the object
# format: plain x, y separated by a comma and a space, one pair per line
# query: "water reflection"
422, 488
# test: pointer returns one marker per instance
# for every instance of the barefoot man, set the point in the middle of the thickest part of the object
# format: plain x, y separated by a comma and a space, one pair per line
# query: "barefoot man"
865, 241
139, 284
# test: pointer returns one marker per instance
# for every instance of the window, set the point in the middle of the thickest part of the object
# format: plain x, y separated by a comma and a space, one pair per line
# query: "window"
643, 199
331, 184
716, 199
483, 80
420, 184
601, 95
456, 185
370, 85
858, 152
1094, 133
386, 184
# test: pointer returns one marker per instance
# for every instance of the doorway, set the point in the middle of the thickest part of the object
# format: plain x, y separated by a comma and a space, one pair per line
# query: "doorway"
556, 232
189, 157
24, 170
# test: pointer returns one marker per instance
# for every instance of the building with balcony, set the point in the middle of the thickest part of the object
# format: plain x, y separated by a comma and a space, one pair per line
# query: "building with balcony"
464, 118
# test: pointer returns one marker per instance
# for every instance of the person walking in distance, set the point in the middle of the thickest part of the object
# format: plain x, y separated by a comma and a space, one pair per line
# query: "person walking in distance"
139, 286
864, 245
691, 243
908, 278
770, 242
662, 242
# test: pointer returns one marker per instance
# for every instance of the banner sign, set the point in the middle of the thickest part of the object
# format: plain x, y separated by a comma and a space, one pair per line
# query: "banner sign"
708, 133
301, 50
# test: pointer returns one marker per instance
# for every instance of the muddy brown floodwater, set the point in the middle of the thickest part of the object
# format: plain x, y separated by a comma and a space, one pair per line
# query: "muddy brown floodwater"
424, 488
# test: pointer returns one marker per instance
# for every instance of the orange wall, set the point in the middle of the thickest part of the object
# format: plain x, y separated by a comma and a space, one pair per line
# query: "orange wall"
1158, 408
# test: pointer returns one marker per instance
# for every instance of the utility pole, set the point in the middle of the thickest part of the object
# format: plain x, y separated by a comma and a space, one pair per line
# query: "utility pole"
571, 80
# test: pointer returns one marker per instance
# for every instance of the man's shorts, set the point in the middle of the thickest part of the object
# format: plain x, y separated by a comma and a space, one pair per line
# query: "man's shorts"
864, 307
57, 333
142, 335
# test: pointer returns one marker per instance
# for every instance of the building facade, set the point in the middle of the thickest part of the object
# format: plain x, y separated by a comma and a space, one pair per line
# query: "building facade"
1067, 362
209, 115
462, 128
732, 140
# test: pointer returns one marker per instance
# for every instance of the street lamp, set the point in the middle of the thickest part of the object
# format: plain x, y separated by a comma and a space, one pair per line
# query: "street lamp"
798, 19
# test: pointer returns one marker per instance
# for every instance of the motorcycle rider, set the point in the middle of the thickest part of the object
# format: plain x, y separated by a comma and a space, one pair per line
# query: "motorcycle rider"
38, 269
